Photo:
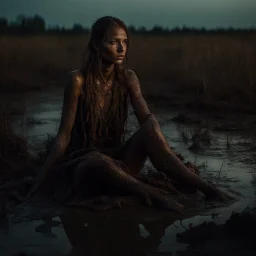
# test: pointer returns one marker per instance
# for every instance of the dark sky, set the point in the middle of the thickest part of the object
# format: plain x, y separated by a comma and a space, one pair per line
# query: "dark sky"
167, 13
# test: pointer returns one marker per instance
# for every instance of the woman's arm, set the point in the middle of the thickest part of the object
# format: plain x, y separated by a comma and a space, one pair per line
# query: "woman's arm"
71, 94
138, 102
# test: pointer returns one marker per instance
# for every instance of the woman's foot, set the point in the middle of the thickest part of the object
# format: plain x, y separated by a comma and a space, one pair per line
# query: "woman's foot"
170, 204
162, 199
216, 193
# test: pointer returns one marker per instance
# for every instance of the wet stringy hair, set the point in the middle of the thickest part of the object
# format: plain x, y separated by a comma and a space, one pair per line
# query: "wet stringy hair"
91, 70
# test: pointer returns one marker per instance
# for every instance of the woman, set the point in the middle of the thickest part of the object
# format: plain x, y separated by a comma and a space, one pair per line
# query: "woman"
91, 132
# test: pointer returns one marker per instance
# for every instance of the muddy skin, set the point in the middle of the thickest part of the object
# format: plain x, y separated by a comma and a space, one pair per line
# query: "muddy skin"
105, 168
148, 141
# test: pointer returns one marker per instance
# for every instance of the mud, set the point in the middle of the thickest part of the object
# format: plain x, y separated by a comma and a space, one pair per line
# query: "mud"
228, 160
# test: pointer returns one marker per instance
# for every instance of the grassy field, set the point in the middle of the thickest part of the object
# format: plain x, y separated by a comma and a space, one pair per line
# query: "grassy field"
214, 67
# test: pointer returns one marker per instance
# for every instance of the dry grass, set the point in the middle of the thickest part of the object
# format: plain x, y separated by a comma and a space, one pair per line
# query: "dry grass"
229, 141
17, 166
14, 154
197, 136
41, 156
211, 66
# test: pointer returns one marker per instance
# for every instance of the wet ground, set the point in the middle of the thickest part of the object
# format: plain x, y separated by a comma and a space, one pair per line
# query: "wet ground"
229, 160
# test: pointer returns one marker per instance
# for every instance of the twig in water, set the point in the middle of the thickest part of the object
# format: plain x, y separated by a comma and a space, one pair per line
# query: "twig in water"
229, 141
23, 118
218, 176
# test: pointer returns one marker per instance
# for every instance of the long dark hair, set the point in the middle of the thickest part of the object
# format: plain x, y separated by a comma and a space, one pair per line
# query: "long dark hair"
91, 69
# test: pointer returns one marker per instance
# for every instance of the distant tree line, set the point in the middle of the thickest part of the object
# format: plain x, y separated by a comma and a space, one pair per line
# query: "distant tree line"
36, 25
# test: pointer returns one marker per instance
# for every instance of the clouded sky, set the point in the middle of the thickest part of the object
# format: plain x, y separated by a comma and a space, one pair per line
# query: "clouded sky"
167, 13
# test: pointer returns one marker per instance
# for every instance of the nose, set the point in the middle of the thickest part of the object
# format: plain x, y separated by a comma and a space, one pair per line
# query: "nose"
120, 48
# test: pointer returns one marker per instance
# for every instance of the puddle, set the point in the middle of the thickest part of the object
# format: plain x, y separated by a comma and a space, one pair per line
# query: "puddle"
143, 232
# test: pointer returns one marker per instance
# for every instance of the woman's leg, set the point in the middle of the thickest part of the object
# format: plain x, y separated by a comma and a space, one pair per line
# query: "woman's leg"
104, 169
150, 141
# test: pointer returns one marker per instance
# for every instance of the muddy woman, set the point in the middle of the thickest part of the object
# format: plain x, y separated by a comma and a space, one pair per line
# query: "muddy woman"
91, 135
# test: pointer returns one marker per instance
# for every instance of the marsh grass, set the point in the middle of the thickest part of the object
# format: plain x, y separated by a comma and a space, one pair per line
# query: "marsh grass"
200, 136
203, 166
196, 137
184, 133
47, 143
218, 176
30, 121
13, 148
17, 166
229, 141
212, 67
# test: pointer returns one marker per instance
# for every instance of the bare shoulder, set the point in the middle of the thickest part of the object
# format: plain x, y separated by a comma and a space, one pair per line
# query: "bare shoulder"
131, 75
132, 79
75, 81
133, 83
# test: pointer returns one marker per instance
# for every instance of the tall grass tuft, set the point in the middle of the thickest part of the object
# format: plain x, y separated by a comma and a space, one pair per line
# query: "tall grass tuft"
13, 148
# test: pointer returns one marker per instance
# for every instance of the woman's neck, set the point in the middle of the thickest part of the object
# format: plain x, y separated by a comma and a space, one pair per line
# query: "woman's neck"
107, 71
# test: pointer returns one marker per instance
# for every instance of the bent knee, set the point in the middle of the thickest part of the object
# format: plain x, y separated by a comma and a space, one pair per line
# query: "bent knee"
93, 155
94, 159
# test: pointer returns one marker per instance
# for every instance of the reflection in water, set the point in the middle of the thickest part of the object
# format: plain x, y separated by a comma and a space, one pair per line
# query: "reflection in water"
104, 236
4, 225
46, 228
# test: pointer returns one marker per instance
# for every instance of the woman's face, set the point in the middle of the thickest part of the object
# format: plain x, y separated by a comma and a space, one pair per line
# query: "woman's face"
114, 49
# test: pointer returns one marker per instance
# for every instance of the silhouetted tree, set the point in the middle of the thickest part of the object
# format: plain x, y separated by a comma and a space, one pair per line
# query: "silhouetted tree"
25, 24
53, 29
77, 28
142, 29
159, 30
36, 24
3, 25
132, 29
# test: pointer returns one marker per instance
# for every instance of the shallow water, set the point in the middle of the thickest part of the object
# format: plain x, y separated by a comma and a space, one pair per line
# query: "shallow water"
127, 232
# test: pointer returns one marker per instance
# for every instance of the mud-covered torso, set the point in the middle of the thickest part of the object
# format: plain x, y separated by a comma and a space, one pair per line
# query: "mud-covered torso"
108, 138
